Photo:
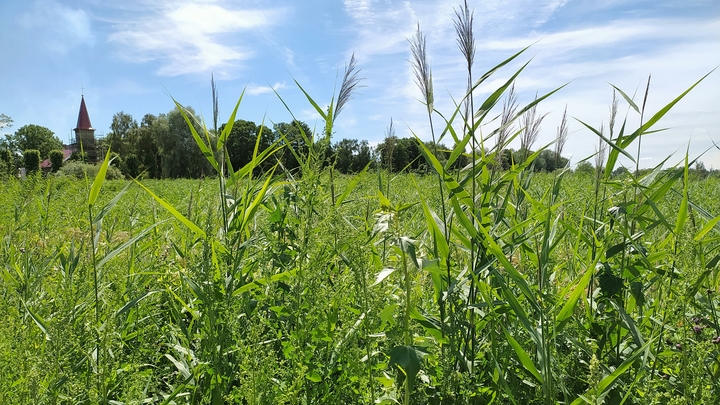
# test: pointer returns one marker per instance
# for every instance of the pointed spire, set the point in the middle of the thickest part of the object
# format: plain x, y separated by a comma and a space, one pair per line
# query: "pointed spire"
83, 121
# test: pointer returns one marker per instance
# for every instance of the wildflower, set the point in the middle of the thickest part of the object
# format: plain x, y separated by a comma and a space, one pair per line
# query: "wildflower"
716, 340
697, 329
678, 346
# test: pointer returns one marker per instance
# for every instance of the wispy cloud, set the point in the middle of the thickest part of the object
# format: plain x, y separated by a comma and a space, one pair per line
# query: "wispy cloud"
254, 89
57, 26
189, 37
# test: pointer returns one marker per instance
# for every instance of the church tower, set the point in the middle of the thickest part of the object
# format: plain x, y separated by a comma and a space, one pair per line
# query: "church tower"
85, 134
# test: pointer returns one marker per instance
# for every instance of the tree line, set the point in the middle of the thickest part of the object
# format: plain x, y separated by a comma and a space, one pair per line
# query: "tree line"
163, 146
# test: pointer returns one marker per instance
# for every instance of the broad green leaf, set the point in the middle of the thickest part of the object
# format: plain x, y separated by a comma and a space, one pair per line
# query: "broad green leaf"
707, 228
439, 239
606, 383
386, 315
406, 357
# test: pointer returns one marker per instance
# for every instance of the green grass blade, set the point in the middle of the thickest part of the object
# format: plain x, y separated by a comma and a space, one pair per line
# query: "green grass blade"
99, 179
127, 244
351, 185
196, 229
569, 306
628, 99
314, 104
229, 125
38, 321
683, 212
608, 141
205, 149
523, 357
132, 303
655, 118
109, 206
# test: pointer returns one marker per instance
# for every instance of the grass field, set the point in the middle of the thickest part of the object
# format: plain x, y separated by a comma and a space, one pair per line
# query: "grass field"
294, 299
466, 284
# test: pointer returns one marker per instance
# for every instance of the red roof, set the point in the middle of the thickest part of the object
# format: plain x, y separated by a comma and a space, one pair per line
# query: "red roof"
46, 164
83, 118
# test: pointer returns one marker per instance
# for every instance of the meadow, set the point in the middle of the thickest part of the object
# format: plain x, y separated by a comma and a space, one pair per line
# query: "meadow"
463, 283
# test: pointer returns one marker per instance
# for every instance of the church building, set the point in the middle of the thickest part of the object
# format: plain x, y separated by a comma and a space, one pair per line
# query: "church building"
85, 135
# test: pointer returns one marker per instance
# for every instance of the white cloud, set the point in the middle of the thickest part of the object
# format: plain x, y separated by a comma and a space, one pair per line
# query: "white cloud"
188, 37
58, 27
254, 89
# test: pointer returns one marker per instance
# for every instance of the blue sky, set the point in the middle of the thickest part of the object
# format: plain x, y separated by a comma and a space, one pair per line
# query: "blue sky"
128, 56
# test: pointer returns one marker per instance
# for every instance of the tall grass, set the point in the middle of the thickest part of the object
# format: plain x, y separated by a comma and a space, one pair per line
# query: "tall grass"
469, 285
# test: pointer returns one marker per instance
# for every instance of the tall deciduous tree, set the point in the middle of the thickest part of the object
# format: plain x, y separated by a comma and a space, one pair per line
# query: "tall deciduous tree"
121, 133
241, 141
181, 156
294, 134
33, 137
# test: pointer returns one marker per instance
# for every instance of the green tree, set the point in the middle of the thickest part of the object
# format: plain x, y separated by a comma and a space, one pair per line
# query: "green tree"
345, 152
240, 143
181, 156
295, 135
31, 159
122, 137
584, 168
146, 148
363, 157
56, 159
33, 137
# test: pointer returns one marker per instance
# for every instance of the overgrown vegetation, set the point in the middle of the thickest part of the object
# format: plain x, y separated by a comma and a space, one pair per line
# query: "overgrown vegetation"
278, 281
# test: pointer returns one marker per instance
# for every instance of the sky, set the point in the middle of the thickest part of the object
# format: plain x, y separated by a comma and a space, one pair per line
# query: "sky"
134, 55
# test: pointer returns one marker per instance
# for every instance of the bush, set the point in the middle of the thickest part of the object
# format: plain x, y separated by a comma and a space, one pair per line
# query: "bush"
78, 170
56, 159
7, 166
78, 156
31, 159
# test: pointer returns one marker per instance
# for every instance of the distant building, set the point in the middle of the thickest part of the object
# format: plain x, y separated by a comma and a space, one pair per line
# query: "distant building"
84, 140
84, 135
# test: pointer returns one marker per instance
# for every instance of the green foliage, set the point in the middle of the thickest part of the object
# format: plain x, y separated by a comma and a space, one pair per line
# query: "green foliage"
585, 168
78, 156
7, 163
56, 159
31, 160
180, 156
240, 143
33, 137
79, 170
